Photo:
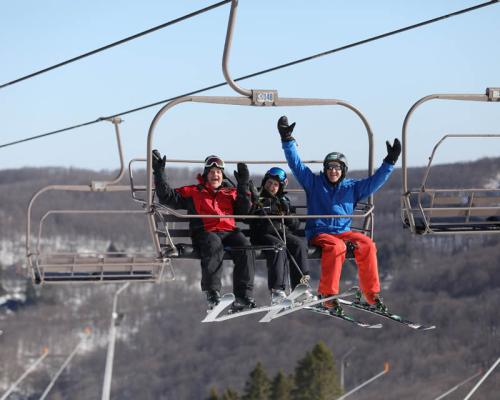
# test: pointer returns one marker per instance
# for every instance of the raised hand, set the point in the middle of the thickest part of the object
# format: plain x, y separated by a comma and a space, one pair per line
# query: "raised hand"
158, 162
393, 151
285, 129
242, 175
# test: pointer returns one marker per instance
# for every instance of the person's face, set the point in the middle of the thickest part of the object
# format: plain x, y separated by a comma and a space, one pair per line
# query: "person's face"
333, 171
272, 186
214, 177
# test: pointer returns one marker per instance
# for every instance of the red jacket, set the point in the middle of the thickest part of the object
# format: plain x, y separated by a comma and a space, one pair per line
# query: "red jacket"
202, 200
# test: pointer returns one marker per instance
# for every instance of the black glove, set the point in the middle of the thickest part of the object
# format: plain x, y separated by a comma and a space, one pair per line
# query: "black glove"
393, 151
242, 175
158, 162
285, 130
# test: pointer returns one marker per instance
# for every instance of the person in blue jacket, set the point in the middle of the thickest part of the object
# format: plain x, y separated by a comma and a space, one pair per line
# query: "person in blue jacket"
331, 193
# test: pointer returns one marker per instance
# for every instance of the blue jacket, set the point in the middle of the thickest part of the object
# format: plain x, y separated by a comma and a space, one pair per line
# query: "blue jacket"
324, 198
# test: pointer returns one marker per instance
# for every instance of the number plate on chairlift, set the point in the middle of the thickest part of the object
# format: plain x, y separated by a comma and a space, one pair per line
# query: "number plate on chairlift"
264, 97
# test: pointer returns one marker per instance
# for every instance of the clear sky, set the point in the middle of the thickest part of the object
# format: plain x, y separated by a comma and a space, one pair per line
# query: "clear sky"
383, 79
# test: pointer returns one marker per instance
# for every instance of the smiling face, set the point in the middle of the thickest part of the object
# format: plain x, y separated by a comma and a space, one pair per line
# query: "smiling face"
272, 186
214, 177
333, 171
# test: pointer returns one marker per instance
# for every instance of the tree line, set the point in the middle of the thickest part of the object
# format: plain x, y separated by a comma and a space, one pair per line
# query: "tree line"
315, 378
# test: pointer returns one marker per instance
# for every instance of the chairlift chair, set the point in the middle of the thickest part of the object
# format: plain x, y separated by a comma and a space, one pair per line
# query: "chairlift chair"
428, 210
78, 266
170, 233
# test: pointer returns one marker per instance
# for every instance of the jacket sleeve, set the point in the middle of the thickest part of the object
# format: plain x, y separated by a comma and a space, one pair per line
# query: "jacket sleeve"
370, 185
243, 201
167, 195
303, 174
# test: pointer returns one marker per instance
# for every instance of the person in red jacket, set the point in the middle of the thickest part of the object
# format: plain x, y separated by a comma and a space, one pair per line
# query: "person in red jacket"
214, 195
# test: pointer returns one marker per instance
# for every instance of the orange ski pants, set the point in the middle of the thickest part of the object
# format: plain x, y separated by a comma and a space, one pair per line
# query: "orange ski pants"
333, 256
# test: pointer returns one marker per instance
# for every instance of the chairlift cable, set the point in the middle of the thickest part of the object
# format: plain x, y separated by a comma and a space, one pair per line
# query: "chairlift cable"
117, 43
265, 71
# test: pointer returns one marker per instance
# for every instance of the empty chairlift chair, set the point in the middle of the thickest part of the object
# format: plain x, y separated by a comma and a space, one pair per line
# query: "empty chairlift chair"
54, 266
430, 210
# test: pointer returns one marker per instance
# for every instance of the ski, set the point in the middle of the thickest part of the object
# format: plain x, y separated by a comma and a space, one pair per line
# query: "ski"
225, 301
393, 317
235, 314
214, 315
288, 306
288, 302
347, 318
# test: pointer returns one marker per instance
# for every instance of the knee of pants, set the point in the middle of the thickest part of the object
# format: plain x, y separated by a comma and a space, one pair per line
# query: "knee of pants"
365, 249
335, 249
212, 247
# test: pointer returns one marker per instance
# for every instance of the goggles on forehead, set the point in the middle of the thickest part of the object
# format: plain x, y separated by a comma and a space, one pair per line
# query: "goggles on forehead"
214, 161
278, 173
333, 167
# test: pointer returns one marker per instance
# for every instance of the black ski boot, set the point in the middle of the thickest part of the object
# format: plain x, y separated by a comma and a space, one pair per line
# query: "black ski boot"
243, 303
333, 306
358, 295
213, 298
379, 305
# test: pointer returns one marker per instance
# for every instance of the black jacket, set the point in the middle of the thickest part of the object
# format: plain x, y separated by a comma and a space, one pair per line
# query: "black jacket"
267, 204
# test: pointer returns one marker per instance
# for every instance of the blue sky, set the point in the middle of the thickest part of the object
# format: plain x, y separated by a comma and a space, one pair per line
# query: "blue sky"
383, 79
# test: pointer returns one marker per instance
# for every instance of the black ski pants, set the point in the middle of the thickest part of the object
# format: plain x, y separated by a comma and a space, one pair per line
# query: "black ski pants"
210, 246
277, 261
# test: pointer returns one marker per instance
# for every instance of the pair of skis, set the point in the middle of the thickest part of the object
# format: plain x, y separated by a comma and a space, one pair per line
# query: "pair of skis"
388, 315
290, 304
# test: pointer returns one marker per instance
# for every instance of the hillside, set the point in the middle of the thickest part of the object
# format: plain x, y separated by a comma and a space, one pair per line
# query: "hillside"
163, 352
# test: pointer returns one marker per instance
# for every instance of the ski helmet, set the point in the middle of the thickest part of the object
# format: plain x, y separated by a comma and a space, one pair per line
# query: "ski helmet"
338, 157
213, 161
278, 174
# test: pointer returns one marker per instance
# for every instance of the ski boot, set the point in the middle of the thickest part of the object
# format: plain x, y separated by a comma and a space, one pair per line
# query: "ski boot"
379, 305
277, 296
213, 298
358, 295
332, 306
306, 297
243, 303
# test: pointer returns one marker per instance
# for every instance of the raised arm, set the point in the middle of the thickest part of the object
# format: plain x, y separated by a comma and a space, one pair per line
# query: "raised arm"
301, 172
166, 195
367, 186
243, 202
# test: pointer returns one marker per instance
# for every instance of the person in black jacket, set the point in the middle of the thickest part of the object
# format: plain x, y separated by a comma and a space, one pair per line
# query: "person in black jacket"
213, 195
291, 249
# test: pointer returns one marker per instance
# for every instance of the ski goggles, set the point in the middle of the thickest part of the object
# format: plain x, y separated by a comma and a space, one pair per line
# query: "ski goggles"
214, 161
277, 172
